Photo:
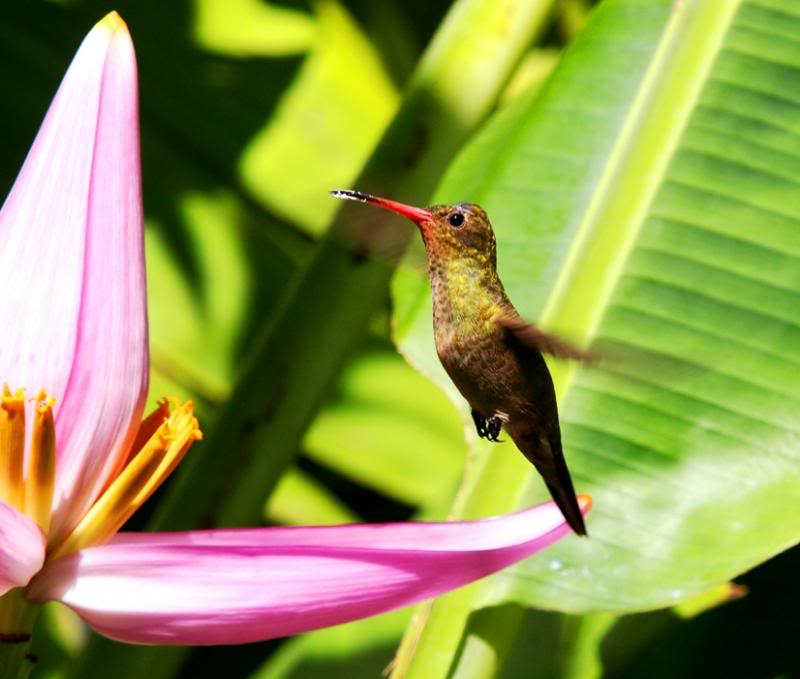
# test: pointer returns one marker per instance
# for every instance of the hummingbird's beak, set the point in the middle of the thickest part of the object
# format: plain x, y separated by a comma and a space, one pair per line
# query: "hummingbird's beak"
415, 214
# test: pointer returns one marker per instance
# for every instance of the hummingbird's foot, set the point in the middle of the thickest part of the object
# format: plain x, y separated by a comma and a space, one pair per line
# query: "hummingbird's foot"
493, 426
488, 429
480, 423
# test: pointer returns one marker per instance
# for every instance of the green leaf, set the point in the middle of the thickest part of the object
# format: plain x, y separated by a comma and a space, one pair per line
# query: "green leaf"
299, 499
648, 200
204, 292
716, 596
358, 649
194, 331
385, 413
247, 28
324, 126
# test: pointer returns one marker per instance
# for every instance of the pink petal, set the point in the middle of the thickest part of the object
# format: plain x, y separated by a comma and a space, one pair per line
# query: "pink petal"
106, 392
72, 262
238, 586
22, 546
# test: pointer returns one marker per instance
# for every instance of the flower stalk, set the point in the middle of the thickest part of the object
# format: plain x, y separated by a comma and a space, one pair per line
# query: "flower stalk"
16, 627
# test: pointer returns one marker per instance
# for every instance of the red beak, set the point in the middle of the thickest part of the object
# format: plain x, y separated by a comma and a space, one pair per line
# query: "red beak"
415, 214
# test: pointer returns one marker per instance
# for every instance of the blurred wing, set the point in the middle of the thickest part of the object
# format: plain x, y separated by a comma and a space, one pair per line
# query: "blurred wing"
538, 340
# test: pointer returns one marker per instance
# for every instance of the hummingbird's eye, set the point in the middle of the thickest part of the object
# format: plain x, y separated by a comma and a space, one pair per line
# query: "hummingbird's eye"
456, 219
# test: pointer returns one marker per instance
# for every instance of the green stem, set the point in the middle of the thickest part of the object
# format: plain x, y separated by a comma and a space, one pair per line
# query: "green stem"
16, 625
431, 644
488, 639
553, 645
582, 635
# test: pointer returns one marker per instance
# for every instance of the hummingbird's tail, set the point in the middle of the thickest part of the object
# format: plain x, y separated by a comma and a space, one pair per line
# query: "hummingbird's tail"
544, 451
564, 496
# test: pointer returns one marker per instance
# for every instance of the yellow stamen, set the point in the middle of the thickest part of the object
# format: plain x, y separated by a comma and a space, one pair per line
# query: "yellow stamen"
151, 424
12, 446
147, 428
143, 474
41, 476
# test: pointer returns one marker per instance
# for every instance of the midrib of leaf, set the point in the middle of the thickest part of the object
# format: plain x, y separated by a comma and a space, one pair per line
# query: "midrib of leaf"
580, 295
634, 172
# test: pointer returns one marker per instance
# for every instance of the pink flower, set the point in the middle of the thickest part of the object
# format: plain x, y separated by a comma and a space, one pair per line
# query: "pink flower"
75, 323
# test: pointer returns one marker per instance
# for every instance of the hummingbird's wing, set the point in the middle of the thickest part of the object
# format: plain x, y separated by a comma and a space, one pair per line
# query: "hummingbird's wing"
537, 339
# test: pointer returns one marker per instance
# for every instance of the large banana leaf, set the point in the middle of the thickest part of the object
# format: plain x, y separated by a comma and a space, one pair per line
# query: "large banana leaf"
649, 202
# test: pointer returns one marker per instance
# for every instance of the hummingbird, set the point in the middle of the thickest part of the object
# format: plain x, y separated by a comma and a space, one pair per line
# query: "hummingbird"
493, 356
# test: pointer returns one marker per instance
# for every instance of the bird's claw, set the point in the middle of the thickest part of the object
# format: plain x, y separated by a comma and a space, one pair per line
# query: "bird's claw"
493, 426
480, 424
488, 429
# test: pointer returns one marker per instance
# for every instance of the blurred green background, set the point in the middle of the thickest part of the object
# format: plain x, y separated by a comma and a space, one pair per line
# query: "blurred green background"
566, 122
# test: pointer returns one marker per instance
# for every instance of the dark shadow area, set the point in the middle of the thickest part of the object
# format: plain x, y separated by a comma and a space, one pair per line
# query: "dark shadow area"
227, 661
752, 638
369, 663
367, 503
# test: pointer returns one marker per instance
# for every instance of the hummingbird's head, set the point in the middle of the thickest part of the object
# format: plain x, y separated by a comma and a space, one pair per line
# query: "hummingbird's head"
449, 231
